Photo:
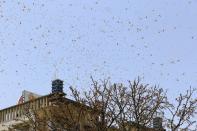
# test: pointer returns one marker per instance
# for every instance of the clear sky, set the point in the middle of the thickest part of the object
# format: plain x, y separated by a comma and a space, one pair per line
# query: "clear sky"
41, 40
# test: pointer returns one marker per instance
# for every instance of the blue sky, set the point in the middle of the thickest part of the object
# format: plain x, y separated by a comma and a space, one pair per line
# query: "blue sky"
41, 40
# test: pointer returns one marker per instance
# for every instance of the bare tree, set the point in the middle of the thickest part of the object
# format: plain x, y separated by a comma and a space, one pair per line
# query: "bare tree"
183, 111
144, 102
119, 105
107, 99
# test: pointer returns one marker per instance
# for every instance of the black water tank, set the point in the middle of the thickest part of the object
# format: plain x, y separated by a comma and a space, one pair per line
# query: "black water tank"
57, 86
157, 123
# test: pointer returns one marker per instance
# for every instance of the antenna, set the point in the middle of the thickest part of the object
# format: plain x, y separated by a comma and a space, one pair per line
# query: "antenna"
56, 72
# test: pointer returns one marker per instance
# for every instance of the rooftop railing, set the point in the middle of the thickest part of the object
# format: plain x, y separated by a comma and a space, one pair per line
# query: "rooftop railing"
17, 111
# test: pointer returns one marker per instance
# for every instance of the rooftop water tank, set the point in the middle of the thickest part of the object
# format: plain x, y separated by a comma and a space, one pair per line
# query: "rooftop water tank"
57, 86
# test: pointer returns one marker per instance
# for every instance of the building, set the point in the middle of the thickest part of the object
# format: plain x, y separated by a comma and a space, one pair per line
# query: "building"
53, 111
15, 116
